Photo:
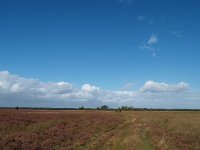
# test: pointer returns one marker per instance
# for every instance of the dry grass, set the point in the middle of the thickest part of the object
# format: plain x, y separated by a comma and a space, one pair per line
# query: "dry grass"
172, 130
141, 130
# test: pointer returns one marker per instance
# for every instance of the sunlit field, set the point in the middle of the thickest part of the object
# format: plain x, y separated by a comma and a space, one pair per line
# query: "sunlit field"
84, 129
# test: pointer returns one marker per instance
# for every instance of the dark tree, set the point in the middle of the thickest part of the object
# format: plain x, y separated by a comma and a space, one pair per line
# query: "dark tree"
81, 108
104, 107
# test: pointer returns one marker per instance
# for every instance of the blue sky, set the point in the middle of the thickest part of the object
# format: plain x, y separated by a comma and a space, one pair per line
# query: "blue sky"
108, 44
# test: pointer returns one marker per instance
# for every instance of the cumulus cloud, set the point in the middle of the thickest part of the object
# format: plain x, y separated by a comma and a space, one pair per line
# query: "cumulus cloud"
156, 87
15, 84
12, 83
16, 90
89, 88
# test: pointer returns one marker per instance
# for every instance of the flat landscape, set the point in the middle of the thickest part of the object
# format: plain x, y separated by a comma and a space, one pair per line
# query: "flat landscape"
99, 75
92, 129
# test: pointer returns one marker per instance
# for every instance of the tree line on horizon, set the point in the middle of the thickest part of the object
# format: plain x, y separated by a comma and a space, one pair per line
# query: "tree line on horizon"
104, 107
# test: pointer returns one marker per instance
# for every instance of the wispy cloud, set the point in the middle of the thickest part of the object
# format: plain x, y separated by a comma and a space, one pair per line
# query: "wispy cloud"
127, 86
146, 19
177, 33
16, 90
149, 45
153, 39
141, 18
152, 21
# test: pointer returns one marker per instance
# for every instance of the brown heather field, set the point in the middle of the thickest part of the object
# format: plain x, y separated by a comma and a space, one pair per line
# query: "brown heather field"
103, 130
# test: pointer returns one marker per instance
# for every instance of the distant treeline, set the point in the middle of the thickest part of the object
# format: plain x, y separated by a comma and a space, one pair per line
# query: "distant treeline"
104, 107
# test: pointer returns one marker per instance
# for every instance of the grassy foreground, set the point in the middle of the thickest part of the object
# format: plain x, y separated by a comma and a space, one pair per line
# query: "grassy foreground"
103, 130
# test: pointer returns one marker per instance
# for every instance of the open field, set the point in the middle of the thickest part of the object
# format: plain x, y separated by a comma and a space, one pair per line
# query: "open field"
51, 129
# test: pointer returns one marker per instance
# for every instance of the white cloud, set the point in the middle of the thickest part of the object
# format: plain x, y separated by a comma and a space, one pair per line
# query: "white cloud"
15, 84
89, 88
59, 87
12, 83
19, 91
156, 87
149, 45
153, 39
